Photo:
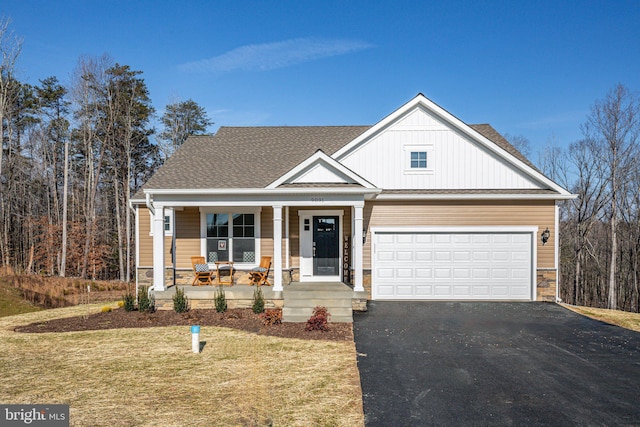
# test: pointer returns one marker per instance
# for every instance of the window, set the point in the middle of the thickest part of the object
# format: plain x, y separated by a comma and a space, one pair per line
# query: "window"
418, 160
231, 237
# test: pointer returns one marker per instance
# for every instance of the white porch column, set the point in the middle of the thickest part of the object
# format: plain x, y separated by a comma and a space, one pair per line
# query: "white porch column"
277, 248
357, 248
158, 249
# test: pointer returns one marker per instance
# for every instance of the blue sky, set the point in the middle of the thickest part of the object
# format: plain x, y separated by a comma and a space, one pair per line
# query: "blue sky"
529, 68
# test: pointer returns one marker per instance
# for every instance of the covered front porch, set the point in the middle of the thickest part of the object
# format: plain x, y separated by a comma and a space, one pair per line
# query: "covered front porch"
318, 239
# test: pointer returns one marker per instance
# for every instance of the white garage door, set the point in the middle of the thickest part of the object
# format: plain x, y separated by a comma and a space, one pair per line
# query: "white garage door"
452, 266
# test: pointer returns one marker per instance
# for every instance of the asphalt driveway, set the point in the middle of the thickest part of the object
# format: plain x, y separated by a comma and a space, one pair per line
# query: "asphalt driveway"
449, 363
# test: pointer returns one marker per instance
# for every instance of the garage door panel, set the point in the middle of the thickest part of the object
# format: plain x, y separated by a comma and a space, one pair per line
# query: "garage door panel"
404, 255
424, 273
424, 290
484, 266
404, 273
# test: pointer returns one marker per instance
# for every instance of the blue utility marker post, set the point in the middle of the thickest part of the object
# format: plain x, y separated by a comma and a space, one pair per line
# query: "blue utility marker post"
195, 338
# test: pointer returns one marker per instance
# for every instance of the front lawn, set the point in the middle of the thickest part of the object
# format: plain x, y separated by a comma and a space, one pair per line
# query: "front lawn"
144, 377
623, 319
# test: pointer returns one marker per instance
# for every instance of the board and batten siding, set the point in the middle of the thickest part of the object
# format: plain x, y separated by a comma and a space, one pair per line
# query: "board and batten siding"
145, 241
466, 213
454, 161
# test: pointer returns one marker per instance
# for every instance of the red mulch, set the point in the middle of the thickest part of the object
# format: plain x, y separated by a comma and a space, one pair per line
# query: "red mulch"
243, 319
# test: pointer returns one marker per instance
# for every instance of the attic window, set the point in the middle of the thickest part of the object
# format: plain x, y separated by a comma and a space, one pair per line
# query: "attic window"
418, 160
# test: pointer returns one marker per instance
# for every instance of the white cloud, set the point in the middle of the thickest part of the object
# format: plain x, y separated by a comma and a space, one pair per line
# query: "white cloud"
271, 56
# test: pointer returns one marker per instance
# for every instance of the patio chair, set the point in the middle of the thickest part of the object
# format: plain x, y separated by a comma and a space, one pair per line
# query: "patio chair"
259, 275
201, 271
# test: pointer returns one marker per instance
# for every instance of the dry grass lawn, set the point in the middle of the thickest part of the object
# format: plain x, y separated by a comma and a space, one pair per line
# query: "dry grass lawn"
623, 319
150, 377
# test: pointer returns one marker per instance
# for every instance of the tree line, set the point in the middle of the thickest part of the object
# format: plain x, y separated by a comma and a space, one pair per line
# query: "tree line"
600, 229
71, 157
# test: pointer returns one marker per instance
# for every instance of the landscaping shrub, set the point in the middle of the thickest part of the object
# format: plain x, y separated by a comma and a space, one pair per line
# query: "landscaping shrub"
105, 309
129, 301
146, 304
180, 301
221, 300
318, 320
258, 301
271, 317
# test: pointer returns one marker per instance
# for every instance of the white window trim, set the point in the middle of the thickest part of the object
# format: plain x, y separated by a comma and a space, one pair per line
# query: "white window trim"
230, 211
408, 149
168, 212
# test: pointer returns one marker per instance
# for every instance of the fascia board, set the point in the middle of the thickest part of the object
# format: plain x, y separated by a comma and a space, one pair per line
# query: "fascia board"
261, 191
318, 157
514, 196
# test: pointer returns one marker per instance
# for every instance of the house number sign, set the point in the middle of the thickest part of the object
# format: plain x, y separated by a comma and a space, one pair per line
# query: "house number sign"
317, 199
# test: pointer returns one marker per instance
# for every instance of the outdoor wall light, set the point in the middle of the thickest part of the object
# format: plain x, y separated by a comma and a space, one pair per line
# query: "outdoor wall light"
364, 236
545, 236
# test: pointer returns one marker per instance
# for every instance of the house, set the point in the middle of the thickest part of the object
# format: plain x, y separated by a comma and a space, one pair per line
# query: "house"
420, 206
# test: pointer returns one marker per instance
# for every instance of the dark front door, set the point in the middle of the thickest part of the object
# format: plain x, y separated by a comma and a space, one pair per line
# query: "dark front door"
326, 250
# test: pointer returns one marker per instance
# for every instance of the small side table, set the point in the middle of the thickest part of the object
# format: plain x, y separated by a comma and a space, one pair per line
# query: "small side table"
218, 277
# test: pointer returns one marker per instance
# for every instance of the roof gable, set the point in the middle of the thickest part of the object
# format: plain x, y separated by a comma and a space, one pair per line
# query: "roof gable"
320, 169
461, 156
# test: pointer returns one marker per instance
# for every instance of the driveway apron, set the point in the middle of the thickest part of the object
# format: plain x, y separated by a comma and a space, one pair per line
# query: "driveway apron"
476, 363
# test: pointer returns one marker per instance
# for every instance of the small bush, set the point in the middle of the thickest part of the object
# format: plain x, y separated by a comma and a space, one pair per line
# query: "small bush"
106, 309
120, 304
271, 317
221, 300
318, 320
180, 301
258, 301
129, 302
146, 304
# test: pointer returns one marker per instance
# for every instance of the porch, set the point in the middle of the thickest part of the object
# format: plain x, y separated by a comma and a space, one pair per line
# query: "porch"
296, 300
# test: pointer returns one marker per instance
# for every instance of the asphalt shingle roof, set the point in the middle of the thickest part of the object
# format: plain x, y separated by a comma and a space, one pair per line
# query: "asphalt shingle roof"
254, 157
247, 157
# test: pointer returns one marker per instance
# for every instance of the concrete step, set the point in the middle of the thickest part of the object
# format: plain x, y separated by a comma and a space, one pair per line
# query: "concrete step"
303, 319
322, 294
313, 302
307, 311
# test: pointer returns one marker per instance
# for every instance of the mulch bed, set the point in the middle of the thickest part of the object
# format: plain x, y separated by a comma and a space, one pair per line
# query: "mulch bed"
243, 319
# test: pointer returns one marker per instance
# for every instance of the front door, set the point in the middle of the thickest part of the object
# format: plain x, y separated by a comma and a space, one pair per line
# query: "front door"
326, 249
320, 250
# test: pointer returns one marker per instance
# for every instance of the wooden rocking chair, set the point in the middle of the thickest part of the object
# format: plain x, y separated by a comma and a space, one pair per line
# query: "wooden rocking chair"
201, 271
259, 275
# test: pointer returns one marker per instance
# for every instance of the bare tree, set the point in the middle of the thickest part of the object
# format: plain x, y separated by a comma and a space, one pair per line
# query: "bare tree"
10, 47
613, 124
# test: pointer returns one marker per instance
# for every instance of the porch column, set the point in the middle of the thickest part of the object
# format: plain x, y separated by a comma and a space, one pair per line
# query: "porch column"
277, 248
158, 249
357, 248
